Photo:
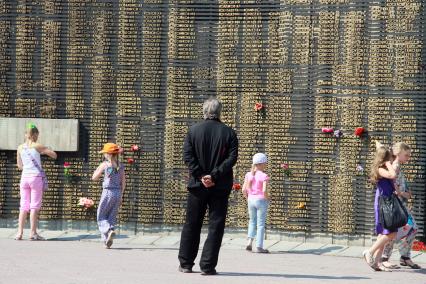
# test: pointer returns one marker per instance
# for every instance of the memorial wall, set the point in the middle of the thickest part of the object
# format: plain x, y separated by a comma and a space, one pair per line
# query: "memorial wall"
137, 72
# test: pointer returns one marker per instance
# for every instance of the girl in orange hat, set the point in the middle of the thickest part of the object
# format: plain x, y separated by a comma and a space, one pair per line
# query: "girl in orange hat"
112, 193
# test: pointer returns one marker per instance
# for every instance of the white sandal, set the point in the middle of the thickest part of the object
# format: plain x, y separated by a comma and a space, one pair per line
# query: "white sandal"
37, 237
18, 237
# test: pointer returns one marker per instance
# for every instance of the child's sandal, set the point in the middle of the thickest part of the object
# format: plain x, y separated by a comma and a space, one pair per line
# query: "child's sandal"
381, 267
18, 237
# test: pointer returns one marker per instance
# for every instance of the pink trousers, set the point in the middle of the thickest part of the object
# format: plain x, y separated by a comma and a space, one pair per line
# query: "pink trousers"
31, 193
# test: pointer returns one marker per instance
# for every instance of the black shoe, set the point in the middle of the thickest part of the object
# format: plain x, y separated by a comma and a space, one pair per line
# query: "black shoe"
184, 270
210, 272
403, 262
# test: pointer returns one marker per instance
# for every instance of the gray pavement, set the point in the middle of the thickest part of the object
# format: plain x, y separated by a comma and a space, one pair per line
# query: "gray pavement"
78, 257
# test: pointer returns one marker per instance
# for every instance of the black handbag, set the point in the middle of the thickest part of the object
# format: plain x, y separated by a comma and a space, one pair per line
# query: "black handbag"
392, 214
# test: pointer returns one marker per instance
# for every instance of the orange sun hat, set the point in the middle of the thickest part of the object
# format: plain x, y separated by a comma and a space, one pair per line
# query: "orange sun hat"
110, 148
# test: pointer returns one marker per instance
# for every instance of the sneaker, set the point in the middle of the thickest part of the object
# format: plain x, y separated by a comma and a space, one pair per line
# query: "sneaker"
110, 238
184, 270
261, 250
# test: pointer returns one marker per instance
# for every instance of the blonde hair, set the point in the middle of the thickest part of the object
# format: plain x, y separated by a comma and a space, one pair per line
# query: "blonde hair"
114, 158
383, 155
253, 172
32, 132
399, 147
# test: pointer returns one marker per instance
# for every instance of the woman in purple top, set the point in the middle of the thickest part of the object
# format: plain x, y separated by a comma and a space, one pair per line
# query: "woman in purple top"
382, 175
385, 188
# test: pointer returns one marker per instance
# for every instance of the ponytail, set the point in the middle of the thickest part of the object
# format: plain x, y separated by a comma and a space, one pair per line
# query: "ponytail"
253, 172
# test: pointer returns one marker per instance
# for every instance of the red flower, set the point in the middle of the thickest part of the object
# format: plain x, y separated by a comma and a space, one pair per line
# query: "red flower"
236, 186
67, 165
134, 148
284, 166
258, 106
130, 160
359, 131
327, 130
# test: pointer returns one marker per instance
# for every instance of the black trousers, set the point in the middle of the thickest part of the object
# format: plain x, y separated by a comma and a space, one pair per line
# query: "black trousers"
197, 204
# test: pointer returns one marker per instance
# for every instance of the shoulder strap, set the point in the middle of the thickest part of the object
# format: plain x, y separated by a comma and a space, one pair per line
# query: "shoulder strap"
36, 164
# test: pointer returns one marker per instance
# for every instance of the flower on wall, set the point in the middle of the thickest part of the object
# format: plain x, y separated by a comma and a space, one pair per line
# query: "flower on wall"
327, 130
236, 186
286, 169
67, 173
338, 133
134, 148
259, 106
301, 205
360, 131
86, 202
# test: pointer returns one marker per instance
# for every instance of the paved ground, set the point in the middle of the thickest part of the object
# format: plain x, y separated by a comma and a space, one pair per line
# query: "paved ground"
78, 257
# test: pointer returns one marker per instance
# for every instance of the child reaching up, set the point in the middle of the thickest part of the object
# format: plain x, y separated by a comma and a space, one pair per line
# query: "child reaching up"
33, 180
112, 194
256, 190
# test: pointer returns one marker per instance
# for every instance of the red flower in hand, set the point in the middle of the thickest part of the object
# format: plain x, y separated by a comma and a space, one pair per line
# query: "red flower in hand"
236, 186
130, 160
134, 148
359, 131
258, 106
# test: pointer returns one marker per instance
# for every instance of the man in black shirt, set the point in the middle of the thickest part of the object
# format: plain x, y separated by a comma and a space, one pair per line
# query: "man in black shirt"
210, 152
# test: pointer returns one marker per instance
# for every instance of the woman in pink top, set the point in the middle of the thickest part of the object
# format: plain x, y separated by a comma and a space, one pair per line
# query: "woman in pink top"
255, 190
32, 180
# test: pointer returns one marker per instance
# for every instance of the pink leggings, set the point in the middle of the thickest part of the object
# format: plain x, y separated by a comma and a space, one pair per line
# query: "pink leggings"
31, 193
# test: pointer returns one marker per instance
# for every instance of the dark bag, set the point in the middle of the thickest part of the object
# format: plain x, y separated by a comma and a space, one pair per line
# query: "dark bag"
392, 214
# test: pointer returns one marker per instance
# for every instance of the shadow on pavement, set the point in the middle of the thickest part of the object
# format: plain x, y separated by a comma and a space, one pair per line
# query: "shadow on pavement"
421, 271
313, 251
293, 276
83, 237
145, 248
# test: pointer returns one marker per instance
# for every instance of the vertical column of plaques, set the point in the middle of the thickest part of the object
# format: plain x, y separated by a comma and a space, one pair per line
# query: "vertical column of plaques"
27, 42
5, 58
279, 117
103, 88
77, 50
180, 108
227, 59
324, 153
341, 197
77, 81
349, 76
51, 29
152, 128
326, 32
297, 190
48, 82
3, 182
128, 100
